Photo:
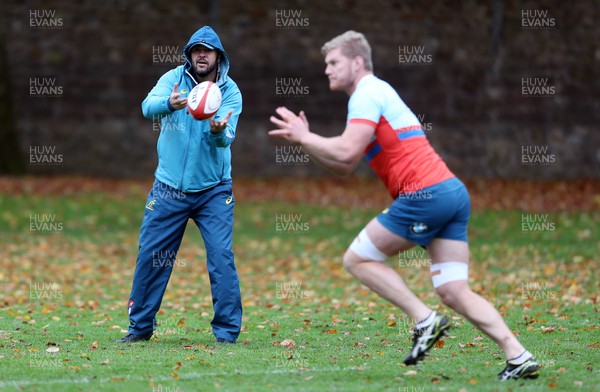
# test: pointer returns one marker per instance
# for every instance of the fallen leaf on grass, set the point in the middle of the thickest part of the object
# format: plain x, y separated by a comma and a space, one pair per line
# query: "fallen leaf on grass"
94, 346
52, 349
288, 343
439, 344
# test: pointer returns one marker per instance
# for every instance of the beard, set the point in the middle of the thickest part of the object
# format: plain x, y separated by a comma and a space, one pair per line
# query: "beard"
340, 85
206, 71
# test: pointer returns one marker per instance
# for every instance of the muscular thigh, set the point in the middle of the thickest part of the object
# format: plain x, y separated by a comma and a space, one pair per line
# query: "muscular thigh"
441, 250
386, 241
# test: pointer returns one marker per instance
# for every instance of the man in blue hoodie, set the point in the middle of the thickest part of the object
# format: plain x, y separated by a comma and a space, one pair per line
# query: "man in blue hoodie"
192, 181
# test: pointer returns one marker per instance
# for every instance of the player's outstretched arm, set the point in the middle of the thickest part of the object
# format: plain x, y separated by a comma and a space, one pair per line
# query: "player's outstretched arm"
339, 154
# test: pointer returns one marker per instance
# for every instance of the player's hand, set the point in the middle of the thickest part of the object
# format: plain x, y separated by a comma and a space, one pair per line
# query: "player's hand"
174, 100
291, 127
218, 126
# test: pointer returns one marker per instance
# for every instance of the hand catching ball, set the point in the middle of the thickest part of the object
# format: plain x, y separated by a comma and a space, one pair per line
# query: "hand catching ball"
204, 100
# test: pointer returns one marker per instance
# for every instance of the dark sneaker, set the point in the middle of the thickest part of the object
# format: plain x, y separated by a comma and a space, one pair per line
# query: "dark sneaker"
528, 369
224, 341
425, 338
131, 338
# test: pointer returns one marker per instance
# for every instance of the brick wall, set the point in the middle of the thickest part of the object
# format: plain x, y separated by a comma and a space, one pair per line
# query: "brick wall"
464, 71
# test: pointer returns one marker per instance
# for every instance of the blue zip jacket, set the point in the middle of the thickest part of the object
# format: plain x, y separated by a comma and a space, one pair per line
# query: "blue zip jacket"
190, 157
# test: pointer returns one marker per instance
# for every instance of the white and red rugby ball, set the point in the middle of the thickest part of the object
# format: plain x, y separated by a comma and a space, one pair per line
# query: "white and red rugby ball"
204, 100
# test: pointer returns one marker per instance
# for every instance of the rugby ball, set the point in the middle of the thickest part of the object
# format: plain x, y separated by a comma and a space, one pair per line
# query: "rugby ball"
204, 100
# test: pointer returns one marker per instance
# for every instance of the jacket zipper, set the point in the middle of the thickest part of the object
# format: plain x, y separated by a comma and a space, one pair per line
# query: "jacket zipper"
187, 148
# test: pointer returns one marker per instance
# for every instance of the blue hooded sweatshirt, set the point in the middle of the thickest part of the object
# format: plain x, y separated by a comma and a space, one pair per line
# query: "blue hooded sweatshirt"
190, 157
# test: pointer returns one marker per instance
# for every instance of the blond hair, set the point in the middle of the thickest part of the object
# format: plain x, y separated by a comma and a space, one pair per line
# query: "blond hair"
351, 44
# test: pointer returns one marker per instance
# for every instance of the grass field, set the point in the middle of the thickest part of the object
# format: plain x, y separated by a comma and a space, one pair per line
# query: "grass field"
68, 254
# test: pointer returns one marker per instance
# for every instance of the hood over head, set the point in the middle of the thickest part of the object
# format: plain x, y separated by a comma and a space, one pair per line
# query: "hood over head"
207, 37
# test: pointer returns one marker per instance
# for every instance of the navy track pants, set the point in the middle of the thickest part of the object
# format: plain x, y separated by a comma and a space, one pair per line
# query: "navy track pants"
165, 218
